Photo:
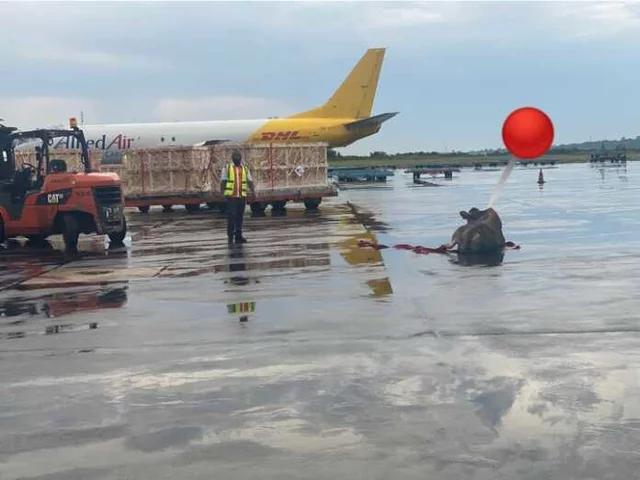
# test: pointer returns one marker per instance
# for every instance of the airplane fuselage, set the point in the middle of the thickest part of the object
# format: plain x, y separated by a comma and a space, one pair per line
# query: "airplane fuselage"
279, 130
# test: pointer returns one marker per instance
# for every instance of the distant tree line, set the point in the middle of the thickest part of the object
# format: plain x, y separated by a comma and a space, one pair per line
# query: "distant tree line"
600, 145
454, 153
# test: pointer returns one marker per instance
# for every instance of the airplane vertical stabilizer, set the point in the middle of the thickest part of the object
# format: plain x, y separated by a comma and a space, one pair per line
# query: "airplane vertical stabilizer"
354, 98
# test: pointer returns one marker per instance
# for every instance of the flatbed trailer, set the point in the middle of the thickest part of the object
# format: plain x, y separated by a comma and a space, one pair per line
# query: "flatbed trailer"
310, 196
345, 174
418, 171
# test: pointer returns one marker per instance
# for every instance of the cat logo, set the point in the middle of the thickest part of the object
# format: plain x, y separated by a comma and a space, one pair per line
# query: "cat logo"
55, 198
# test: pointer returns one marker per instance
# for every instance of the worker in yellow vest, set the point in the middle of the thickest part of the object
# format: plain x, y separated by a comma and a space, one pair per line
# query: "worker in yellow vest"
234, 180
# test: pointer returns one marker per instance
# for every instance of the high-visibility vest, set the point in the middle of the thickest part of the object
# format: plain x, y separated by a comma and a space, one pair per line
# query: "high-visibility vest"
230, 187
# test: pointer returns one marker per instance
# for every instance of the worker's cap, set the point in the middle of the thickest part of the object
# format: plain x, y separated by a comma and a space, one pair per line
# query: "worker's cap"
236, 155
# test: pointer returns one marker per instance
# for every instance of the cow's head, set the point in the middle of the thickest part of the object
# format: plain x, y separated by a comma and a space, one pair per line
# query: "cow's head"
473, 215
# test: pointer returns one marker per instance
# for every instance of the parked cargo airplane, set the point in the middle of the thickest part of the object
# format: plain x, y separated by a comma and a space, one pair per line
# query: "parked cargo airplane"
344, 119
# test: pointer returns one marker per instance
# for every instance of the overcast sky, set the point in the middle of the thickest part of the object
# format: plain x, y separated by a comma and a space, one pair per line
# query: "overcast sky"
452, 70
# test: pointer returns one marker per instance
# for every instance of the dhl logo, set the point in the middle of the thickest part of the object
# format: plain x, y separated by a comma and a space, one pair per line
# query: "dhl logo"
289, 135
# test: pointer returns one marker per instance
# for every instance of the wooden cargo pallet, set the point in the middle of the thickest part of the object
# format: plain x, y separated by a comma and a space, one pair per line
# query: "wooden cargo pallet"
187, 175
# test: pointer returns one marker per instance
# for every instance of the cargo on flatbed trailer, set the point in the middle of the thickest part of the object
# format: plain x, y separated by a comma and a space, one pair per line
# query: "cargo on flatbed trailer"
190, 176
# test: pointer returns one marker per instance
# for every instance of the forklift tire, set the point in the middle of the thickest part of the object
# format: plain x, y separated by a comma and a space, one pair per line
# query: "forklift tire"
70, 232
143, 208
116, 238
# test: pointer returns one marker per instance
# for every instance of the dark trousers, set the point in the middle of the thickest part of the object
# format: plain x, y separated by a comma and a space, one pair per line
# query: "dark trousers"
235, 214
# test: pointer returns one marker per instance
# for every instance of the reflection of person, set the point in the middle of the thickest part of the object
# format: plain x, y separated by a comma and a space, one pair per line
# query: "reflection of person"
236, 264
234, 180
243, 309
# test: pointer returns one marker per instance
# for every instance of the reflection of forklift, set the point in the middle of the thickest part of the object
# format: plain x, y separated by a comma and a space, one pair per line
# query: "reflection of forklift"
44, 199
58, 304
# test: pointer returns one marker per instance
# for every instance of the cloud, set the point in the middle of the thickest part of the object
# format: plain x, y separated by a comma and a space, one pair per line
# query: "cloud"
218, 108
622, 15
47, 111
77, 34
402, 16
43, 111
90, 58
595, 19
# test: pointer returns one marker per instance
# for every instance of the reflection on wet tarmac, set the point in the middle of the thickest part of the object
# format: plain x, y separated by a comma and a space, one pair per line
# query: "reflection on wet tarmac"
62, 303
366, 219
362, 257
241, 308
354, 363
484, 260
25, 308
62, 328
380, 287
236, 264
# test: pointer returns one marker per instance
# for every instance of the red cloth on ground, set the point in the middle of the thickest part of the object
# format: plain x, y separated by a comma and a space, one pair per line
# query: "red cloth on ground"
403, 246
420, 249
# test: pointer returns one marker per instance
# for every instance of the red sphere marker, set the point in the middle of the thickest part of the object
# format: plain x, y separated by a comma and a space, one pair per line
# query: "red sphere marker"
527, 133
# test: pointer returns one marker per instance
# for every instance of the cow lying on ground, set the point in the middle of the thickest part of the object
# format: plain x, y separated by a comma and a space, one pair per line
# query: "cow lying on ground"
481, 235
479, 242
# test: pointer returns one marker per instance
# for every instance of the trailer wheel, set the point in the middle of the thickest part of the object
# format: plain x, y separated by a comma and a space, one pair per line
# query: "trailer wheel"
279, 205
192, 207
143, 208
257, 207
212, 205
167, 208
222, 207
312, 203
70, 232
117, 237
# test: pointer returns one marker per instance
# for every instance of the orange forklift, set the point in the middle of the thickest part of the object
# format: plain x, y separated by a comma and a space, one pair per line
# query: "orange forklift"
40, 200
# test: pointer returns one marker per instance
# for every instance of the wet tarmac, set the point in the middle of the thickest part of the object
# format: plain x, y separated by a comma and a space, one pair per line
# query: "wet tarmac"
301, 355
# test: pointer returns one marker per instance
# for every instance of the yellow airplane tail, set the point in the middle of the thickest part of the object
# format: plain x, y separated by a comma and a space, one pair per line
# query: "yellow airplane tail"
354, 98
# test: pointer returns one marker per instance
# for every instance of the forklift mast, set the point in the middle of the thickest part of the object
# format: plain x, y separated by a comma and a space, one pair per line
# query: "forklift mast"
46, 136
7, 158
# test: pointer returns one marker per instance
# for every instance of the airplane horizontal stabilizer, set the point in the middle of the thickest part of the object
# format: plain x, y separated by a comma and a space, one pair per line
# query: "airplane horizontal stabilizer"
208, 143
370, 121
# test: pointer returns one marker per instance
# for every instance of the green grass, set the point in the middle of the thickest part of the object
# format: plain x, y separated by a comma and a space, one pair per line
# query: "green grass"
464, 160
